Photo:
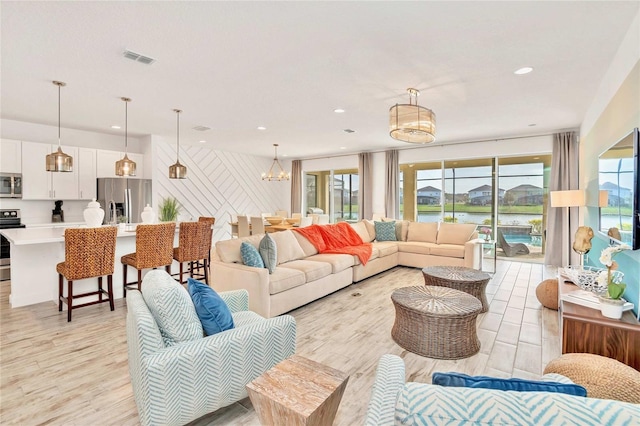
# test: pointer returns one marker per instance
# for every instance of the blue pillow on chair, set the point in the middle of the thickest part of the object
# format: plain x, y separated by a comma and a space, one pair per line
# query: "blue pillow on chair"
515, 384
385, 231
213, 312
250, 255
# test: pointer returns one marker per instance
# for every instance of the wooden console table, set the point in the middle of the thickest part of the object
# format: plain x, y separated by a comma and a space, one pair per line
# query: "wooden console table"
298, 391
585, 330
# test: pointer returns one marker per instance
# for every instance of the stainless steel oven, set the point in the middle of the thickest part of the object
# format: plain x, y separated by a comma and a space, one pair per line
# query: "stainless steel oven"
8, 219
10, 185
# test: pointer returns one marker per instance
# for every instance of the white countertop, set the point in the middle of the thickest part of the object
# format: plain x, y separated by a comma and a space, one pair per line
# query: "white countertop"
44, 235
55, 225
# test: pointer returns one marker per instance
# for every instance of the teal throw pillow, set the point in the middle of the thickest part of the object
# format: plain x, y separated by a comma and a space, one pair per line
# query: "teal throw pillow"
268, 252
385, 231
520, 385
213, 312
251, 255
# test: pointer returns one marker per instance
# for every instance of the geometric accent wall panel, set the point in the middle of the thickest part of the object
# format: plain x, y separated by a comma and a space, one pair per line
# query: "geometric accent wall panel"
221, 184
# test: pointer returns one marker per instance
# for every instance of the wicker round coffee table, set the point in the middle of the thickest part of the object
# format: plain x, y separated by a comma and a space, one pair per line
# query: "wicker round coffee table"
436, 322
460, 278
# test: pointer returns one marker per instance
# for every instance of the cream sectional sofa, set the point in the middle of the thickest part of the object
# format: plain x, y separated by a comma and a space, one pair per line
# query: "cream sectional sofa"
303, 275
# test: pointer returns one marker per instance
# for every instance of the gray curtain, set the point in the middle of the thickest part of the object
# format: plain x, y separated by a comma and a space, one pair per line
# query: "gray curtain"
564, 176
296, 186
365, 190
392, 185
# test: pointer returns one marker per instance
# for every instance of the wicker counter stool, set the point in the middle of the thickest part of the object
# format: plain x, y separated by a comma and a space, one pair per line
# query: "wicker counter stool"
206, 247
436, 322
88, 253
602, 377
192, 236
460, 278
154, 248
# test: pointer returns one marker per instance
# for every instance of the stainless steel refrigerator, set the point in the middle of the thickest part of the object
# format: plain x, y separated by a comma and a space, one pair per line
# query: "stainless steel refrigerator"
123, 199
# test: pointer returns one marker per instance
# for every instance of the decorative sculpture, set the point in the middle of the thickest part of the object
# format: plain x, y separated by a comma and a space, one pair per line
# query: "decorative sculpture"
582, 242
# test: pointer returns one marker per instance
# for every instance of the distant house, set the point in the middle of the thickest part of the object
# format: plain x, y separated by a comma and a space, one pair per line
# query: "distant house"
482, 195
617, 195
524, 195
429, 195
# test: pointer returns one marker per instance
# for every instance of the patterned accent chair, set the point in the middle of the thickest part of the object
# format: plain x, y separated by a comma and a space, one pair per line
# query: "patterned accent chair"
174, 385
395, 402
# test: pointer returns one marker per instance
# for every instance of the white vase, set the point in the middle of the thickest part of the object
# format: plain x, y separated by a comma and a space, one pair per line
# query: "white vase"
93, 214
148, 216
611, 308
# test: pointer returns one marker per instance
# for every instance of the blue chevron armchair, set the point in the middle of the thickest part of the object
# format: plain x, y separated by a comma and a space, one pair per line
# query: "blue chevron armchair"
177, 384
394, 402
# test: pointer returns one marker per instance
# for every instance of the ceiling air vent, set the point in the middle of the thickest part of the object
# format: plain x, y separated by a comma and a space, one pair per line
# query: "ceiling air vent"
138, 57
202, 128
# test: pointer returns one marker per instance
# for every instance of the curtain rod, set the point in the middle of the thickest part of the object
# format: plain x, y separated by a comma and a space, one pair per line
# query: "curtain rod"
322, 157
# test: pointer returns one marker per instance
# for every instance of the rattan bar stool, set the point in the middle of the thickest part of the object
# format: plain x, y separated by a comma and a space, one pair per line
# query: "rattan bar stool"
192, 235
154, 248
205, 261
88, 253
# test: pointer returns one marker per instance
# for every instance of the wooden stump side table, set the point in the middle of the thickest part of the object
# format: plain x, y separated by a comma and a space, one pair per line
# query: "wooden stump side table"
298, 391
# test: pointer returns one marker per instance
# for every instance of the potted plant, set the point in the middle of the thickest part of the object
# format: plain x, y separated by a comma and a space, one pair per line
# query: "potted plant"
169, 210
612, 303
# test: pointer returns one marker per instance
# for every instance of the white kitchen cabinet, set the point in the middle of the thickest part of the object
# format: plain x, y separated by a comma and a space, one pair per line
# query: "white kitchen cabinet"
106, 163
38, 183
10, 156
87, 173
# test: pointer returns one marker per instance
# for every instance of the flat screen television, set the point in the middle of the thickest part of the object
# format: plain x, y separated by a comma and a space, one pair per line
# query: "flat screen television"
619, 176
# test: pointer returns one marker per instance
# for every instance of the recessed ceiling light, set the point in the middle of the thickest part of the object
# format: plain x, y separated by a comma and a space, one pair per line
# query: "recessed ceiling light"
203, 141
115, 126
285, 155
523, 70
343, 147
338, 110
262, 128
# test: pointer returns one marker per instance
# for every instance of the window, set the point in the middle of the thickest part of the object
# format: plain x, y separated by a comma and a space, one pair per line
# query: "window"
345, 195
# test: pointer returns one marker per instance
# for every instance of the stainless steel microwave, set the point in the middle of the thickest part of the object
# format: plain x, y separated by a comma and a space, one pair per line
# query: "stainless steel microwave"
10, 185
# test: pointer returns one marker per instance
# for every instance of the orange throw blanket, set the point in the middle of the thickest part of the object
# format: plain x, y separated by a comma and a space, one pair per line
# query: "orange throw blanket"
340, 238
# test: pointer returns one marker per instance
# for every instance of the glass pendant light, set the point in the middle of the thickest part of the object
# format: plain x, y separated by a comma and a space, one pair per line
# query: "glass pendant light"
125, 167
59, 161
411, 122
177, 170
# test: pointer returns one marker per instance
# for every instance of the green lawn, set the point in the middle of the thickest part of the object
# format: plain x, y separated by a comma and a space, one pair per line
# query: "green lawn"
465, 208
624, 211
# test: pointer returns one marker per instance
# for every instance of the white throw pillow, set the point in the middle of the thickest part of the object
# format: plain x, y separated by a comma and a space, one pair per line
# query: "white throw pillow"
171, 307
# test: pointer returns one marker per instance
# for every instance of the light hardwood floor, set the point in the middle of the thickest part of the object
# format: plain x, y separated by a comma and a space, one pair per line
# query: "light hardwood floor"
54, 372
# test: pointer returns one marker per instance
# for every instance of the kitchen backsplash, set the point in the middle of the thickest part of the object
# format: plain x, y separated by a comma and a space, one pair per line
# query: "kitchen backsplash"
34, 212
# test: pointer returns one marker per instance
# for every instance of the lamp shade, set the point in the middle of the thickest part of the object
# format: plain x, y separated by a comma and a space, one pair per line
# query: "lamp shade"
568, 198
411, 122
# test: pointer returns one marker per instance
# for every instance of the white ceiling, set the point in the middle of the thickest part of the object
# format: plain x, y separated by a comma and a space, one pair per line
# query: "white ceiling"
234, 66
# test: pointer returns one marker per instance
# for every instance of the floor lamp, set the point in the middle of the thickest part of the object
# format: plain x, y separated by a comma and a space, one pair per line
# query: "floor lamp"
566, 199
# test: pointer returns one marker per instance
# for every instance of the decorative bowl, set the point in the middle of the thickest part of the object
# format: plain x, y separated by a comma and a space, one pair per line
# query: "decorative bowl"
293, 220
585, 277
274, 220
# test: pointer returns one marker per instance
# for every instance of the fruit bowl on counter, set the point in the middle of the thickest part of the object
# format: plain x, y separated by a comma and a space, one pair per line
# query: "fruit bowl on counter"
586, 277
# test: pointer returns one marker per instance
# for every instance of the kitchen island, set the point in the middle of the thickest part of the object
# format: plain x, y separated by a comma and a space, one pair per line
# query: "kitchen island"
35, 252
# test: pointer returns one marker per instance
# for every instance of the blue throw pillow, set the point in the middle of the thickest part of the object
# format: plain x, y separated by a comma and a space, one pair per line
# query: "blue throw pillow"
251, 255
268, 252
385, 231
520, 385
213, 312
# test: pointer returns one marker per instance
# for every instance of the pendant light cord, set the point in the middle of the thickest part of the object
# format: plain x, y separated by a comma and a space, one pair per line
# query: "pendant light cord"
58, 116
126, 125
178, 136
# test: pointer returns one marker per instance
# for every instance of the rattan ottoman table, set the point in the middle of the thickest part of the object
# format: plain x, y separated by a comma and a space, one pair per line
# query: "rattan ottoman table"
460, 278
436, 322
